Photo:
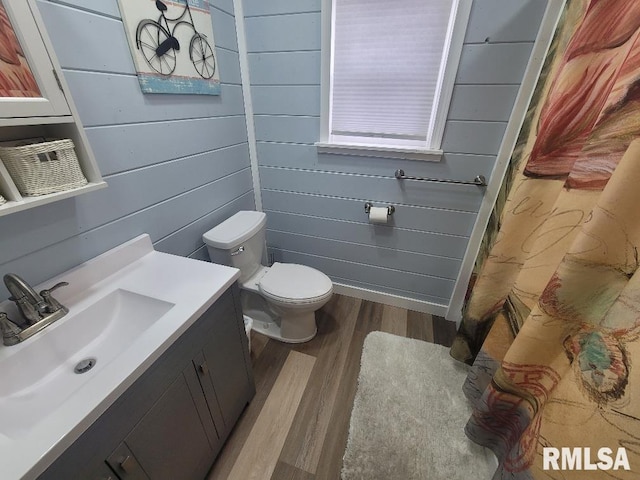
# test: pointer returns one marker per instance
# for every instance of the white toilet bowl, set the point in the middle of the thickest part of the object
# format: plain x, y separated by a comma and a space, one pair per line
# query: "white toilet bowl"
281, 299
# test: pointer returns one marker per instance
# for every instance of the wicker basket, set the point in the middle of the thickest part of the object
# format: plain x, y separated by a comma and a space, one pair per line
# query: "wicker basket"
2, 200
42, 168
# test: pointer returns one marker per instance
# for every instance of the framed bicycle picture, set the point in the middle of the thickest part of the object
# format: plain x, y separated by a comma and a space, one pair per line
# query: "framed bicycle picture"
172, 45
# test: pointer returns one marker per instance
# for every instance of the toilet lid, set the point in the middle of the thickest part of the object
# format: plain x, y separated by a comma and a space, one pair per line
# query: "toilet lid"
292, 282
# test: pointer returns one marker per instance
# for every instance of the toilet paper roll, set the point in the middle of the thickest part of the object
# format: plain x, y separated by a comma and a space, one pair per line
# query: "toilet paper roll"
378, 215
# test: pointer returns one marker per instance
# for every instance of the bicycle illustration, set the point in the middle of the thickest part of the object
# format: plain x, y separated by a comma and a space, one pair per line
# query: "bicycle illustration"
157, 43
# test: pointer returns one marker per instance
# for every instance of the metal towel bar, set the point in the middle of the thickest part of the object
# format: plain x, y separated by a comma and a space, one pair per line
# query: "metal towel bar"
480, 181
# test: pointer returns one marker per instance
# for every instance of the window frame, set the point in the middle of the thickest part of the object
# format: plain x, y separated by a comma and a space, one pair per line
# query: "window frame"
456, 34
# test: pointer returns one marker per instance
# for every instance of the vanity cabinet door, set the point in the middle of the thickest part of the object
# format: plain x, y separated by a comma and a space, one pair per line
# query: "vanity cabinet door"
171, 441
204, 376
127, 466
224, 355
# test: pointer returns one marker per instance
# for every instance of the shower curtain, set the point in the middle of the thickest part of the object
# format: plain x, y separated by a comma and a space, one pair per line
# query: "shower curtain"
552, 323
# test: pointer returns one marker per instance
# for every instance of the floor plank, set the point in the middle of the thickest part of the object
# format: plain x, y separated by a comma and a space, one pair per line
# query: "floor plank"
420, 326
330, 463
258, 342
309, 442
394, 320
444, 331
266, 369
284, 471
306, 438
261, 450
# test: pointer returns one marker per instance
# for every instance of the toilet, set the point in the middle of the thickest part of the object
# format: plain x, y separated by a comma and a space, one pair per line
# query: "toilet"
281, 299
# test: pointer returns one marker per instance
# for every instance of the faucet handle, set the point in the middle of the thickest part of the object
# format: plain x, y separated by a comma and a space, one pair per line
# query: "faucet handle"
52, 304
55, 287
9, 330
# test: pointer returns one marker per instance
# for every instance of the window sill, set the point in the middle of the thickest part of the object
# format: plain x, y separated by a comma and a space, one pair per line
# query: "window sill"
407, 153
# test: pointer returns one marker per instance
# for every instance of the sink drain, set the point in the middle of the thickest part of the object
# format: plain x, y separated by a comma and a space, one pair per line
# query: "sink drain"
85, 365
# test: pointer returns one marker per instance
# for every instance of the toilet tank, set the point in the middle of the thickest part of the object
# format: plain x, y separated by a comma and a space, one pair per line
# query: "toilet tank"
238, 242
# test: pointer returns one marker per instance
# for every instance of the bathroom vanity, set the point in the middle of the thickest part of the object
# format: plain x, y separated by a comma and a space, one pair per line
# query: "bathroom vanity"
162, 397
171, 423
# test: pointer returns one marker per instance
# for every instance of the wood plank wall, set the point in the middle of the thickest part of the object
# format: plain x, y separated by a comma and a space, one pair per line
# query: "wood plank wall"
176, 165
315, 203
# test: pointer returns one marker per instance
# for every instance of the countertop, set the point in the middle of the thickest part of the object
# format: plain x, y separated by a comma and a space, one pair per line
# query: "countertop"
191, 285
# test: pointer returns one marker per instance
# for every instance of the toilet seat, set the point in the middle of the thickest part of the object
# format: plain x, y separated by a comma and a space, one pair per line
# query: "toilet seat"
290, 283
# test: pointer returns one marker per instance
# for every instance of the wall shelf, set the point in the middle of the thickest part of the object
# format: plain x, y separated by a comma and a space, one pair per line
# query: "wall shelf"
24, 203
51, 115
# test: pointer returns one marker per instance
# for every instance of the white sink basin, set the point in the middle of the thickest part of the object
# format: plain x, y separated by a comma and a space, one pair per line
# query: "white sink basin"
40, 375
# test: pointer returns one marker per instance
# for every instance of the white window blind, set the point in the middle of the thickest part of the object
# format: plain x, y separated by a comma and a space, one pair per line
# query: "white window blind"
386, 71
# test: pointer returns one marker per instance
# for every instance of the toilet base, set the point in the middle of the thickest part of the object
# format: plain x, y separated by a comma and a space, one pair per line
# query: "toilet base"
301, 330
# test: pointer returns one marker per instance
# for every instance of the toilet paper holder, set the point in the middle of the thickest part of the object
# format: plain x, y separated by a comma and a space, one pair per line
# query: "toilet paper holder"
369, 205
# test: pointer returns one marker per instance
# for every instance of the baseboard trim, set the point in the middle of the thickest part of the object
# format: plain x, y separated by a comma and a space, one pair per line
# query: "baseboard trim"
390, 299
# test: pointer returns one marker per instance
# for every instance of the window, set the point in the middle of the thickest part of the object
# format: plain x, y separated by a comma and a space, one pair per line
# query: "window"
388, 72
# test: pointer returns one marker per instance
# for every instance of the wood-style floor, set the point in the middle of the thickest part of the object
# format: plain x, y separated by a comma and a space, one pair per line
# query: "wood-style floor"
296, 427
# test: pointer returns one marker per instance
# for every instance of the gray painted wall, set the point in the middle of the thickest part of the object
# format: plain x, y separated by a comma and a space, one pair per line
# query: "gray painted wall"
176, 165
315, 203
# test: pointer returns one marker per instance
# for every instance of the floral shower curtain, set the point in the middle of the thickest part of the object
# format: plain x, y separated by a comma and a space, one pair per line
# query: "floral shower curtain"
552, 325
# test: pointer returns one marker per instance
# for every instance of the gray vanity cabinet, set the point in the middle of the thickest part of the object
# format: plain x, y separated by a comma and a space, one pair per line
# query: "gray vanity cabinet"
172, 422
186, 448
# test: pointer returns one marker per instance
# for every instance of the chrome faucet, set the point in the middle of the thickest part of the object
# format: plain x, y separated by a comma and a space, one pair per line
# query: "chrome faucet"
38, 310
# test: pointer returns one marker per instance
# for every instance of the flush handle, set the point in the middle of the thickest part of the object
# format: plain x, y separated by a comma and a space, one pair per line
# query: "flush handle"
238, 251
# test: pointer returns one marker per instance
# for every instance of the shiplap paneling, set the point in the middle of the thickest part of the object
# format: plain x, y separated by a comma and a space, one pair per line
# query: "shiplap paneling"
114, 55
158, 221
254, 8
288, 68
303, 32
367, 254
390, 278
480, 138
144, 144
117, 57
189, 238
405, 216
375, 235
106, 7
379, 189
286, 100
518, 21
224, 5
287, 129
454, 166
224, 30
175, 164
494, 63
229, 66
166, 181
80, 217
105, 99
323, 194
89, 211
489, 103
200, 254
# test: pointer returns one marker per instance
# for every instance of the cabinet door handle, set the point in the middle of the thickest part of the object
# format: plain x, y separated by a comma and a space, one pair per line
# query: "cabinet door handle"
128, 464
204, 368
